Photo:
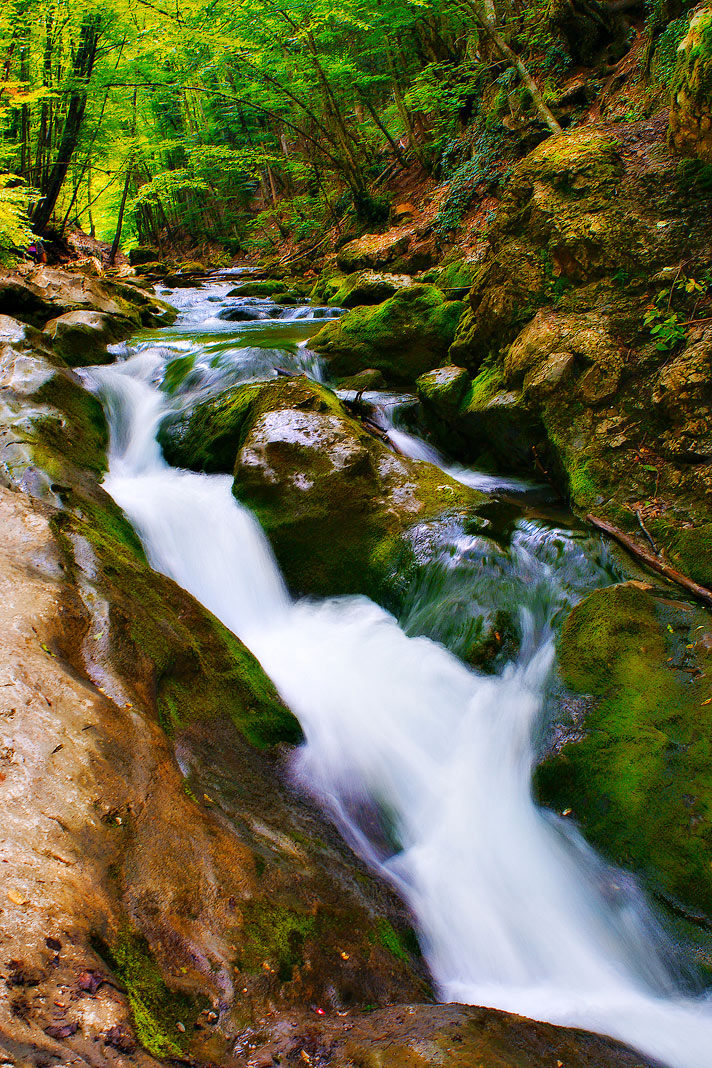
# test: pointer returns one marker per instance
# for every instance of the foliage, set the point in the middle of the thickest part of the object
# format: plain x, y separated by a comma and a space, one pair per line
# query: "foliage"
485, 168
667, 325
15, 233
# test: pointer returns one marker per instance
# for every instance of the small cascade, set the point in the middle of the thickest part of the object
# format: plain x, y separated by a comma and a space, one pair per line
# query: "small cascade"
513, 909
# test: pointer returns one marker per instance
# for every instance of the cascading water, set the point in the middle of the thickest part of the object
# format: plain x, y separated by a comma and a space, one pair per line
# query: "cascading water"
514, 910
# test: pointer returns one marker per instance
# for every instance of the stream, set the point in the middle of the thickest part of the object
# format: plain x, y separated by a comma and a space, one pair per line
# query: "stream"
513, 909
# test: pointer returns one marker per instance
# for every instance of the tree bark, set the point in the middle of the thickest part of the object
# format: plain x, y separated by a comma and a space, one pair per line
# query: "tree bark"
506, 52
83, 67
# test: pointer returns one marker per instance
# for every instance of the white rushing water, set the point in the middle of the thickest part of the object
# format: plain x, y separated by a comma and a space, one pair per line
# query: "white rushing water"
514, 910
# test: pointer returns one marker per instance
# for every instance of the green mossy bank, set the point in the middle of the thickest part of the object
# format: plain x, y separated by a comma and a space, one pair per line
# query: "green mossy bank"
638, 777
408, 334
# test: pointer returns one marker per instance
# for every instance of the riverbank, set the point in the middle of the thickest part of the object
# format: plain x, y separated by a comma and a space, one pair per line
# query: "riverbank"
169, 891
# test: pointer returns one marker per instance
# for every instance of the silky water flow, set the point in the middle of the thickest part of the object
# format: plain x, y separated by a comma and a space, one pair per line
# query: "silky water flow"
513, 909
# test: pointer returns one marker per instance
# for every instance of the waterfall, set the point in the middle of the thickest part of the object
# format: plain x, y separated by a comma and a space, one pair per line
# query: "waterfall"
514, 910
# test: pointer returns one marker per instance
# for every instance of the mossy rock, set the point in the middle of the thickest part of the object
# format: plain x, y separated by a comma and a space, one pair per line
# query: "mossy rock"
330, 280
268, 288
335, 502
198, 669
640, 780
141, 254
367, 287
82, 337
163, 1018
404, 337
444, 389
156, 268
480, 417
367, 379
207, 438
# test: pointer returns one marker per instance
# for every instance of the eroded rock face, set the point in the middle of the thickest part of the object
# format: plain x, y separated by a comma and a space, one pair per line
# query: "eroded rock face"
637, 776
593, 229
691, 110
36, 295
150, 883
404, 337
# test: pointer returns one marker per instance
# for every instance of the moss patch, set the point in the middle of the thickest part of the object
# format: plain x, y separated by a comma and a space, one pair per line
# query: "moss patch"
403, 338
640, 780
156, 1010
275, 935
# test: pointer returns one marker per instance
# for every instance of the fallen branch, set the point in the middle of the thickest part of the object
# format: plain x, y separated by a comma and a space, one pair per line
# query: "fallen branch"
489, 29
634, 547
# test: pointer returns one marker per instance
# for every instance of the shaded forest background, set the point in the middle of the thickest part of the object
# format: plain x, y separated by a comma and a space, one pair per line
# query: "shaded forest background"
230, 127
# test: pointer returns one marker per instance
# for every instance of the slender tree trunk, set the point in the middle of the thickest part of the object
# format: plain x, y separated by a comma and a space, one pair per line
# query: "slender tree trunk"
506, 52
83, 67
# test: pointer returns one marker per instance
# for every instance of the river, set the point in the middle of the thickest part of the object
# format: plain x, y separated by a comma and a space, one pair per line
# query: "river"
513, 909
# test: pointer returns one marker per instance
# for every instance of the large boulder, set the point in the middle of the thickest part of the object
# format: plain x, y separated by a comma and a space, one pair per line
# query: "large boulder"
367, 287
142, 254
399, 249
404, 337
691, 110
336, 503
633, 741
36, 295
81, 337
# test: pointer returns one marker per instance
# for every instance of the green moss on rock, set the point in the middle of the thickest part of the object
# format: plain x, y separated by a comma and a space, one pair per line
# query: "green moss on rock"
335, 502
275, 935
403, 338
269, 288
640, 779
156, 1010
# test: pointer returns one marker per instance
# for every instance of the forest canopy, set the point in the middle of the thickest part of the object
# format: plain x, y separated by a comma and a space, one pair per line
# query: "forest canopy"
178, 122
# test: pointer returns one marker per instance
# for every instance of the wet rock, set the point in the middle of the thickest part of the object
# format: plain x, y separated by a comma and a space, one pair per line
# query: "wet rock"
636, 774
240, 314
368, 287
81, 337
451, 1036
176, 874
404, 337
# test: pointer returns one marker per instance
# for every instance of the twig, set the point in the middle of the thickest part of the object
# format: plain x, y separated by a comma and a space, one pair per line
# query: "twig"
672, 287
702, 593
645, 530
694, 322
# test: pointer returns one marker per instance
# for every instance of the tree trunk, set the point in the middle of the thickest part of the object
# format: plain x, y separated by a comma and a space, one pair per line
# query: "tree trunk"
506, 52
83, 67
